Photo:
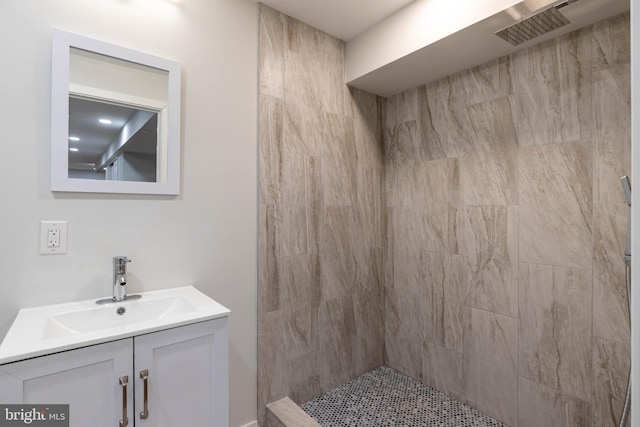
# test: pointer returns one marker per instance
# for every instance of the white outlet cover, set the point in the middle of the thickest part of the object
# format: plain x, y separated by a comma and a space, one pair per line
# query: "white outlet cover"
44, 235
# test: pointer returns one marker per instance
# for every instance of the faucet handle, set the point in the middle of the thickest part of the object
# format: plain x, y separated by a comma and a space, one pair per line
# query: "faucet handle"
119, 260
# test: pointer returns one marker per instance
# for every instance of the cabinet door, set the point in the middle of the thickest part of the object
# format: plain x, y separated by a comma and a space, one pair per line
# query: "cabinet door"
88, 379
187, 379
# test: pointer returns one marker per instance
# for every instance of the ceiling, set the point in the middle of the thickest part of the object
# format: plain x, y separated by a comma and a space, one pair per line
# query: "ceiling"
461, 49
94, 138
473, 45
343, 19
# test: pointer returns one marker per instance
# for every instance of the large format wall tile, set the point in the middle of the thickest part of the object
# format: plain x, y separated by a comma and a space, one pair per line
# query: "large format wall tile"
293, 230
443, 183
611, 47
442, 104
442, 370
339, 173
543, 117
429, 184
370, 204
319, 50
490, 165
314, 196
300, 332
412, 230
551, 85
555, 328
270, 155
304, 121
407, 235
268, 260
482, 83
409, 186
321, 217
402, 108
544, 406
303, 129
337, 335
367, 111
490, 363
403, 333
610, 310
302, 376
369, 329
292, 188
300, 280
402, 144
556, 205
271, 356
338, 243
442, 121
271, 51
490, 243
436, 228
444, 290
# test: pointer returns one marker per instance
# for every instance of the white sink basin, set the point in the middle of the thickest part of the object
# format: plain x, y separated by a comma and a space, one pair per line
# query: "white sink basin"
114, 315
48, 329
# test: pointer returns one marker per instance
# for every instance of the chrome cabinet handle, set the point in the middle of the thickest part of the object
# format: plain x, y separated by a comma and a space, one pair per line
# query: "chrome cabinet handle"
145, 410
124, 422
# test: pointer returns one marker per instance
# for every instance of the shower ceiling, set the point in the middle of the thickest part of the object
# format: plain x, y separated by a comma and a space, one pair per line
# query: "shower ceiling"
457, 51
343, 19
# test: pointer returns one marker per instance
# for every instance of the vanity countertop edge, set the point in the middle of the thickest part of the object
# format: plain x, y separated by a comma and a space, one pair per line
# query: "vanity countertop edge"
24, 340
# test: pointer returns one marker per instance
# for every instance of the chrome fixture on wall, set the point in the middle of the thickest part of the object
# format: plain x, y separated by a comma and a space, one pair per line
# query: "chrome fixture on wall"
626, 186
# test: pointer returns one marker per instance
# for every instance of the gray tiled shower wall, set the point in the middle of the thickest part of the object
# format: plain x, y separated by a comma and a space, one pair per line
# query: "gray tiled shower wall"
468, 233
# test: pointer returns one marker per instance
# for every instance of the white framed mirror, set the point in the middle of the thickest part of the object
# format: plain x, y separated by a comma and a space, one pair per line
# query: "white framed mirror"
115, 119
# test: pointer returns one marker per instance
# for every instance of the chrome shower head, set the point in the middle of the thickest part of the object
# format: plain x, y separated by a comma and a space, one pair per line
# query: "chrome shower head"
535, 24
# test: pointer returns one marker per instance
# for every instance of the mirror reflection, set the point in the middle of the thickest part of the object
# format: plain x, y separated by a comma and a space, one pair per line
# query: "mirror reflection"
110, 141
116, 113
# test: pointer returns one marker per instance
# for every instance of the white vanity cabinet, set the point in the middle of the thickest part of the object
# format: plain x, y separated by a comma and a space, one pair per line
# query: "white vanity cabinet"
187, 376
87, 379
170, 378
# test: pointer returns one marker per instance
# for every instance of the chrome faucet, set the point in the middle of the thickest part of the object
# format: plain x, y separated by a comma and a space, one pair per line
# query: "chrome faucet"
120, 277
119, 282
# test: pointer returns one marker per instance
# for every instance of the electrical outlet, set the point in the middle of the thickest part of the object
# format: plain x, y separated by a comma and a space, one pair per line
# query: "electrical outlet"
53, 237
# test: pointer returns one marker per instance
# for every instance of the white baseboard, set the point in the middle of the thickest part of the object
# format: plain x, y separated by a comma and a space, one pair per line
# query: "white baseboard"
251, 424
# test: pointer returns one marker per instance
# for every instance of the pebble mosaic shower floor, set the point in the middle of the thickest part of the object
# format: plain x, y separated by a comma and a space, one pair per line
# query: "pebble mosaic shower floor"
386, 397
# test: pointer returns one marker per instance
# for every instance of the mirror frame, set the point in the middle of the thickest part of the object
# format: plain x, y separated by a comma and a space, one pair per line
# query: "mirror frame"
62, 43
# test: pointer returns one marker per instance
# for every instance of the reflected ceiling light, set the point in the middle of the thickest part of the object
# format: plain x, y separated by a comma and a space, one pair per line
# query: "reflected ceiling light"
74, 138
105, 121
73, 149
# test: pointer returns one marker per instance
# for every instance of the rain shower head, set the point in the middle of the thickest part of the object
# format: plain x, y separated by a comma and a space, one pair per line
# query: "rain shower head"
535, 24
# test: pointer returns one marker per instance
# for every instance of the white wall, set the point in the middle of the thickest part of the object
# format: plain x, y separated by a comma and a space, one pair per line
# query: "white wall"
207, 236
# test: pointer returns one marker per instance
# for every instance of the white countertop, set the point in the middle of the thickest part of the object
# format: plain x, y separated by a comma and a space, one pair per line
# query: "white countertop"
49, 329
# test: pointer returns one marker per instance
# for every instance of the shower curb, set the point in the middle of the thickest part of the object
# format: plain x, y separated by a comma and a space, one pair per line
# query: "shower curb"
285, 413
